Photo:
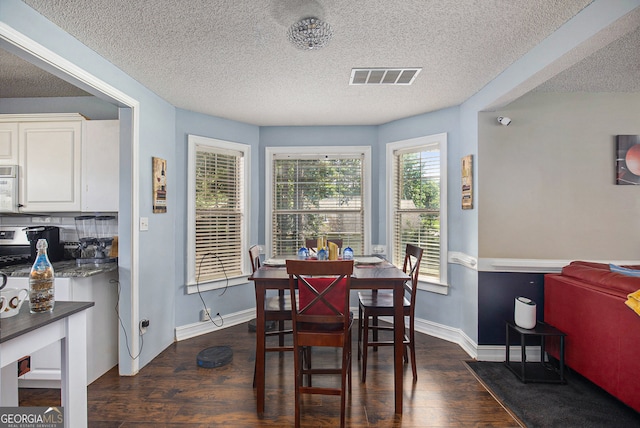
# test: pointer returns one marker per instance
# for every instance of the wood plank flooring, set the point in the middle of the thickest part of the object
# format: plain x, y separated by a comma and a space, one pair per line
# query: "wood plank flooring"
172, 391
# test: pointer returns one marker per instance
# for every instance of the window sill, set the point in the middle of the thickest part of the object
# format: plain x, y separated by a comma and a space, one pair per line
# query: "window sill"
218, 284
433, 287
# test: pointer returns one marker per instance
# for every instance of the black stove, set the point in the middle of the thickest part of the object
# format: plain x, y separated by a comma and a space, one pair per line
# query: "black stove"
14, 246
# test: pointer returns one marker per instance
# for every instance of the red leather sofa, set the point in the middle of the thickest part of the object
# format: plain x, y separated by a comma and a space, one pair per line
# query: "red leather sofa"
587, 302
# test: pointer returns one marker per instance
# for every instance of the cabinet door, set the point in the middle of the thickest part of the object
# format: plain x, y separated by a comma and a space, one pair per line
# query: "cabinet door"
50, 153
100, 166
8, 143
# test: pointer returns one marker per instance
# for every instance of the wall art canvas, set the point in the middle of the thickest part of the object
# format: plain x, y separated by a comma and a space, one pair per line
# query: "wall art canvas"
628, 159
467, 182
159, 185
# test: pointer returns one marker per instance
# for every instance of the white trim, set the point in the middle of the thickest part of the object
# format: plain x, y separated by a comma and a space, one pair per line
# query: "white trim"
194, 142
203, 327
441, 140
457, 257
270, 152
537, 265
26, 44
218, 284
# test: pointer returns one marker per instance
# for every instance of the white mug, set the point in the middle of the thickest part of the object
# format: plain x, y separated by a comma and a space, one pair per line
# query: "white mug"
10, 301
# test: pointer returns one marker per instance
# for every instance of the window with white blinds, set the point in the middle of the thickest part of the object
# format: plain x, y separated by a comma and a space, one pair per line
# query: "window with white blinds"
418, 215
218, 206
316, 195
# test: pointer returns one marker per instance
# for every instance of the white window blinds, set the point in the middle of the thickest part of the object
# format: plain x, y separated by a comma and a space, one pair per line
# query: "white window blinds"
416, 196
218, 213
317, 195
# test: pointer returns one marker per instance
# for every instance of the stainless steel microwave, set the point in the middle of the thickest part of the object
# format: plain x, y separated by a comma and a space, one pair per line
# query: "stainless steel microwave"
9, 188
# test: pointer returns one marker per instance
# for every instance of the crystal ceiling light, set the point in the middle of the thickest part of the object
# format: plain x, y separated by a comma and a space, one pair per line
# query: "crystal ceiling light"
310, 34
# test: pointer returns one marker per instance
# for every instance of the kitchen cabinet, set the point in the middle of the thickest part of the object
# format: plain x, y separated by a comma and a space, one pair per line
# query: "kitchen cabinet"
8, 143
100, 160
102, 329
67, 163
49, 154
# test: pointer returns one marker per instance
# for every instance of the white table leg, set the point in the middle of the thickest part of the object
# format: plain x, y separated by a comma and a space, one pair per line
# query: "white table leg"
74, 371
9, 385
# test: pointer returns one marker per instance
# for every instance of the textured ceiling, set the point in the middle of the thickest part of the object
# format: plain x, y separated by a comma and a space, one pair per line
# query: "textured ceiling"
232, 59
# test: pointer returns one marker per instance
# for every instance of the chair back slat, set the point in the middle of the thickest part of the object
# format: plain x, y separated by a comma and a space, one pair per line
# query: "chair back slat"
254, 256
323, 291
411, 266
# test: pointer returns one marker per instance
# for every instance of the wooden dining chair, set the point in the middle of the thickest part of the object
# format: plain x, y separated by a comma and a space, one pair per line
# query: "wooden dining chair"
374, 304
312, 243
277, 309
321, 318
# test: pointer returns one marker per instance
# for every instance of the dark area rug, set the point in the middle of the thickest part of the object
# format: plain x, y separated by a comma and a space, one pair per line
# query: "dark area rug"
579, 403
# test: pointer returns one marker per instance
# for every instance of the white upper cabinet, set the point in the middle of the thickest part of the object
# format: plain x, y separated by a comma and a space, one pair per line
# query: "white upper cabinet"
100, 160
50, 155
8, 143
67, 163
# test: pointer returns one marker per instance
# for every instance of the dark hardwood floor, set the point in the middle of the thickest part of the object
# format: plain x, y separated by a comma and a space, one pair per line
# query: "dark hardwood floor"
172, 391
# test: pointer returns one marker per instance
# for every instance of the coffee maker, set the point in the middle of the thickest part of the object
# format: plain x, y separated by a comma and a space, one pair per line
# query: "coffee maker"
52, 235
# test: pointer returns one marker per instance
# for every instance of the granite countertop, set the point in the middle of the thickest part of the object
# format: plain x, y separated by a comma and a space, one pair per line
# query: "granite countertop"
63, 269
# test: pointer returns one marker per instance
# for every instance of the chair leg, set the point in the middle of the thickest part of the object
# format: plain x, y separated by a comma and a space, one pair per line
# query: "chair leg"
345, 377
375, 331
360, 322
405, 351
349, 364
298, 381
412, 348
365, 345
281, 335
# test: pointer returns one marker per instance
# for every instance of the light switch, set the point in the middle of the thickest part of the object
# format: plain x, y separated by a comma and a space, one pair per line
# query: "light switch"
144, 223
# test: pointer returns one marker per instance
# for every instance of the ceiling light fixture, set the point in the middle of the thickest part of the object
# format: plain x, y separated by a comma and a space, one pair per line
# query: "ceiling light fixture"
310, 34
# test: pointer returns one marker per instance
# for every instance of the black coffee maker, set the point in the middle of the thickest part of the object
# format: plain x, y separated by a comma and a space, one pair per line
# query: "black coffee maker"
55, 249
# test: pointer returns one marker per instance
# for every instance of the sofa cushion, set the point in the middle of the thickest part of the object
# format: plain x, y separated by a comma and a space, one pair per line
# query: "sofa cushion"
602, 277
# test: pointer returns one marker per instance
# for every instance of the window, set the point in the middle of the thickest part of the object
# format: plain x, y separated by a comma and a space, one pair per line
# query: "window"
218, 192
417, 198
311, 195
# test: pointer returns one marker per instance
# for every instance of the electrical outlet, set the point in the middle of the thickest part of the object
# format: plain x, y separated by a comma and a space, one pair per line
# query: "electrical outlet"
144, 324
205, 314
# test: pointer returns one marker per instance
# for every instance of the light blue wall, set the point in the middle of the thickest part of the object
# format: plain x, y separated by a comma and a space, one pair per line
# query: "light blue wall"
235, 298
163, 131
156, 138
442, 309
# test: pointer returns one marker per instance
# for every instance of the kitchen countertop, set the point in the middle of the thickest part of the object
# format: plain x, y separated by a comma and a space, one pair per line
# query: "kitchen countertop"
63, 269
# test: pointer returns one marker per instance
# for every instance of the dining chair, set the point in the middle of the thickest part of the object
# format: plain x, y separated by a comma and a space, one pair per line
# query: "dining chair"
373, 304
277, 309
321, 318
312, 243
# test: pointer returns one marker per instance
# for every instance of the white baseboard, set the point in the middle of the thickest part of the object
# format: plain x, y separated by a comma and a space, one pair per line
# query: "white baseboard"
202, 327
441, 331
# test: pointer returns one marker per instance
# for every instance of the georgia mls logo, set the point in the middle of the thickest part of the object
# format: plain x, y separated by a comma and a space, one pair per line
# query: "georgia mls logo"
31, 417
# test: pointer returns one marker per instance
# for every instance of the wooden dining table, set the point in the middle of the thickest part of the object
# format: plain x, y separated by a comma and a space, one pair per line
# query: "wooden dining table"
366, 276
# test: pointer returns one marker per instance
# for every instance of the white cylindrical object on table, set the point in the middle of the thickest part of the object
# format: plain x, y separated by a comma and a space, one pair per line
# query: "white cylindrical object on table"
524, 313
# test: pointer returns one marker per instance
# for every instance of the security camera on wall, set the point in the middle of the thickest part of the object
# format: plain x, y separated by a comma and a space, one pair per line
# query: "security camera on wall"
503, 120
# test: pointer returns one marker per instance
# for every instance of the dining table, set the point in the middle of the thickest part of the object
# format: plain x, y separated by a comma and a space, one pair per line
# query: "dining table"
369, 273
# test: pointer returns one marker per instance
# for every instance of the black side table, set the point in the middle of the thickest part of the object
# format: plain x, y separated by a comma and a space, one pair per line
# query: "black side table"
532, 371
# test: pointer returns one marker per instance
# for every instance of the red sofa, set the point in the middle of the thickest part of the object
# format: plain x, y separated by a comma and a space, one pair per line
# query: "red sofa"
587, 302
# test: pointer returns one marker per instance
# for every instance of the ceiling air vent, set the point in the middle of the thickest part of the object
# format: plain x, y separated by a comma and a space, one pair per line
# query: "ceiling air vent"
383, 76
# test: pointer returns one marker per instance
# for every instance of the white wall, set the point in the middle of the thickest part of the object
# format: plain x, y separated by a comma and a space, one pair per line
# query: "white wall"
548, 179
